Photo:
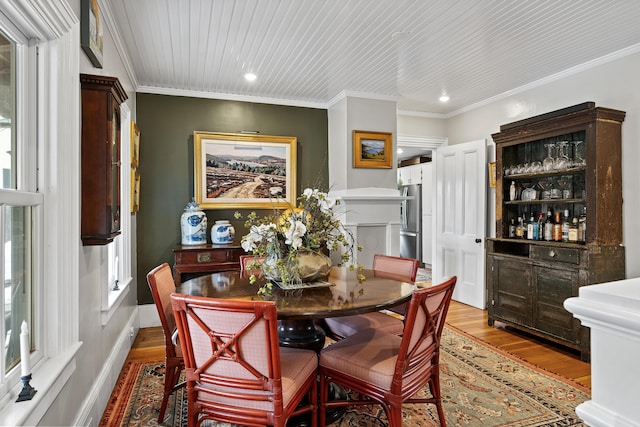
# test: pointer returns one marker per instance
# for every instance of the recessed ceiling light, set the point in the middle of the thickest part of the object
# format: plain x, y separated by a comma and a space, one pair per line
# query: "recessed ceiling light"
250, 77
444, 98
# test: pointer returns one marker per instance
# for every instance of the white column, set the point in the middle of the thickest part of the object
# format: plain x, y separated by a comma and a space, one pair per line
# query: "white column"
612, 311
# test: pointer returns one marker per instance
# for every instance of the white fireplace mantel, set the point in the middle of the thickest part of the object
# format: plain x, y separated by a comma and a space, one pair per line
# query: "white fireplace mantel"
612, 312
373, 216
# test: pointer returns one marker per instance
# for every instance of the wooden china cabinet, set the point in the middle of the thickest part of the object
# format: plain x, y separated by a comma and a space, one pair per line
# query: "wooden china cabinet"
101, 99
566, 161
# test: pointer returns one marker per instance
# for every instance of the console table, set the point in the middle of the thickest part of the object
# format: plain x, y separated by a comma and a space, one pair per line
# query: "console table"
196, 260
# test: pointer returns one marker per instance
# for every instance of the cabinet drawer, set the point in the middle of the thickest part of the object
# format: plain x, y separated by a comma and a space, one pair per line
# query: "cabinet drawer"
545, 253
205, 257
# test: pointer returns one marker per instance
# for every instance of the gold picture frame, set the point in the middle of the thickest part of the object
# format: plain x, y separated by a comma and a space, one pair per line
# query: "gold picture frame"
135, 191
492, 174
135, 145
372, 149
244, 170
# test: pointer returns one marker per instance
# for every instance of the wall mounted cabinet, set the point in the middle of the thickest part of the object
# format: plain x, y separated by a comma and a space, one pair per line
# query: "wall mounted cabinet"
101, 99
566, 161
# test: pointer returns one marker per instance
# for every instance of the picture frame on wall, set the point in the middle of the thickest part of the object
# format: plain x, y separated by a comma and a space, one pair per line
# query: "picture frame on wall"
91, 31
135, 145
492, 174
244, 170
372, 149
135, 191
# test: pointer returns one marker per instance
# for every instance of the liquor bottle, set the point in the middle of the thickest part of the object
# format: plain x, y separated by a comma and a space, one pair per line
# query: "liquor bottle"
573, 230
557, 228
512, 191
565, 226
582, 226
548, 227
512, 228
540, 226
531, 234
519, 228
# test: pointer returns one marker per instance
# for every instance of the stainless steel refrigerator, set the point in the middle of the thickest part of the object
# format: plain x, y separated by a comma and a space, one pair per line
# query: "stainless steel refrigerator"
411, 222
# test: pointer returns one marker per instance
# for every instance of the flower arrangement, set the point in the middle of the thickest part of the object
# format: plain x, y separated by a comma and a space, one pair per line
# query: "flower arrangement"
284, 236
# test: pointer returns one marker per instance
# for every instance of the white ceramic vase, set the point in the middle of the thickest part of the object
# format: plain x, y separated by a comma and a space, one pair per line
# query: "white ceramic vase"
222, 232
193, 224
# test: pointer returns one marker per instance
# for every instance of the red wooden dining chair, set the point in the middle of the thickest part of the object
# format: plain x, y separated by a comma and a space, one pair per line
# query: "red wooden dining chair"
394, 267
162, 285
387, 369
246, 261
236, 371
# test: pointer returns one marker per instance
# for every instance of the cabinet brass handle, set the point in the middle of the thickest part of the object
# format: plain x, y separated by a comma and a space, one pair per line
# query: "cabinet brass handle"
552, 253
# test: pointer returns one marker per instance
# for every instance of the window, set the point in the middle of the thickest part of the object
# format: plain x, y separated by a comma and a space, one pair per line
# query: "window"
119, 251
39, 158
18, 203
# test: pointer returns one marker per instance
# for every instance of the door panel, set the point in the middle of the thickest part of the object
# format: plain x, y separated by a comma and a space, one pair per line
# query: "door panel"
460, 209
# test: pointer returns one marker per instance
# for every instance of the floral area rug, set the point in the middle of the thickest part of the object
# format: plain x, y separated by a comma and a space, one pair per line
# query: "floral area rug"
481, 386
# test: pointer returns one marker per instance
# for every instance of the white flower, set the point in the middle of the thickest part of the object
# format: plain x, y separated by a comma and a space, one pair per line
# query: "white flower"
326, 204
294, 233
257, 234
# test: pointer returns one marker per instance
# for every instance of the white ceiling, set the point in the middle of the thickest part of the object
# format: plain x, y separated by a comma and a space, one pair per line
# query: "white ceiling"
311, 52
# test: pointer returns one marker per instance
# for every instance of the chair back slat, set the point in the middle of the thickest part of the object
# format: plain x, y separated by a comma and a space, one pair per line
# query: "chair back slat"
161, 284
233, 346
407, 268
247, 260
424, 322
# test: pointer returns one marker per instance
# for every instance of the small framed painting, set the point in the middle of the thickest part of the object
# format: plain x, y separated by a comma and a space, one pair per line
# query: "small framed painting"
135, 145
244, 170
492, 174
135, 191
372, 149
91, 31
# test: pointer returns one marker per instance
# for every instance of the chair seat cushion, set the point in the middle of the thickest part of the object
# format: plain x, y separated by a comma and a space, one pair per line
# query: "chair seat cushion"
349, 325
296, 366
369, 355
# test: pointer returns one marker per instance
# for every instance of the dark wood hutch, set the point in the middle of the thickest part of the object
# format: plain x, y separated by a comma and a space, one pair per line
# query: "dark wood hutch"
528, 280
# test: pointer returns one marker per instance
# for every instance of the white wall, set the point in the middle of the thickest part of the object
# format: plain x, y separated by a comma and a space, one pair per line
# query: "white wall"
347, 115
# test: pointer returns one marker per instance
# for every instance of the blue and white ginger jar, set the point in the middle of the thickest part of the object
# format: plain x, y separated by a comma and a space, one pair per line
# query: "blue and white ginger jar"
222, 232
193, 224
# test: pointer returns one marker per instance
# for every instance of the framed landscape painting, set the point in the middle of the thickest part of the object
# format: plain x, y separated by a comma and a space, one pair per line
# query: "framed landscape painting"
244, 170
372, 149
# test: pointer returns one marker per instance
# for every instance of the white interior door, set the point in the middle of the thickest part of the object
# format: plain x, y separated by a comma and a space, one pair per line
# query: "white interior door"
460, 210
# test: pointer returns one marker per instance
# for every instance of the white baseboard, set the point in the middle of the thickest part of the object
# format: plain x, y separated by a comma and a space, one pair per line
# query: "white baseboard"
96, 402
148, 316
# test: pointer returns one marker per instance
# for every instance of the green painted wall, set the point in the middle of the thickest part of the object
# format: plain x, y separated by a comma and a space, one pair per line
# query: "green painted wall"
166, 127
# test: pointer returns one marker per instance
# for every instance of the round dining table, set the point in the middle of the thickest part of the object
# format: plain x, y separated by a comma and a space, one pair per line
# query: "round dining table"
301, 309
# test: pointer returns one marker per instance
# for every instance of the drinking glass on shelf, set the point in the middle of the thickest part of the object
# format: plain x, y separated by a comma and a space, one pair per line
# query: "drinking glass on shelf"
566, 185
529, 192
549, 161
555, 191
562, 161
578, 160
536, 167
545, 185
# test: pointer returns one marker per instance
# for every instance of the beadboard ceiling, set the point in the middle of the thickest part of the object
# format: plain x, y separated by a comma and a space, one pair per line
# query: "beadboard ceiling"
311, 52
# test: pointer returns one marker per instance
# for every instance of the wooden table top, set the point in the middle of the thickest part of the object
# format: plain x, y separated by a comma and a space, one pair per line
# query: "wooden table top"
347, 297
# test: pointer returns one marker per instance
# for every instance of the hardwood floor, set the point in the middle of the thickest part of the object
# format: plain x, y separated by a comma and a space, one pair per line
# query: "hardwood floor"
149, 344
